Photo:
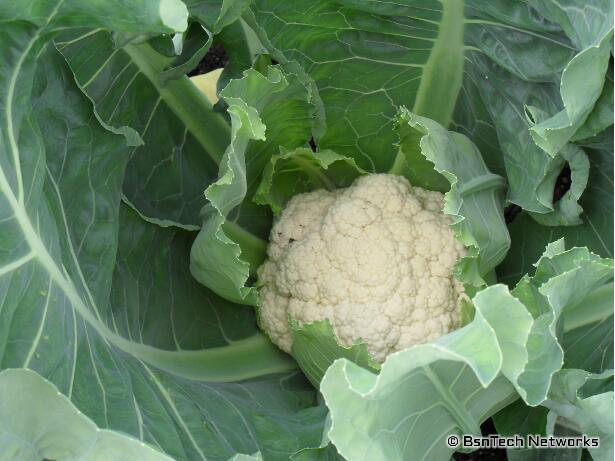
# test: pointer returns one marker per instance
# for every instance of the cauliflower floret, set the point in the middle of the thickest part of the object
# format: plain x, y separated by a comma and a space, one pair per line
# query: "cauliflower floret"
375, 259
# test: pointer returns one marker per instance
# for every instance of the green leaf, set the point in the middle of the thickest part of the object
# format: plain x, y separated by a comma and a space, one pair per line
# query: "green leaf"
316, 347
230, 12
27, 398
100, 302
530, 171
589, 25
529, 238
423, 393
578, 287
601, 117
516, 419
474, 200
337, 41
301, 170
223, 18
562, 281
216, 14
280, 104
409, 54
182, 139
48, 16
195, 44
567, 211
165, 286
243, 50
588, 341
593, 414
520, 419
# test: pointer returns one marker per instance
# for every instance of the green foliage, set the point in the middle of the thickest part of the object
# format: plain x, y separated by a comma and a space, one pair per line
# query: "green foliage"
133, 217
316, 347
26, 397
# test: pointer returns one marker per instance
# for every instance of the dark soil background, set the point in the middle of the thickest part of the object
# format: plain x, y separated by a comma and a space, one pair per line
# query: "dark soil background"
215, 58
483, 454
562, 185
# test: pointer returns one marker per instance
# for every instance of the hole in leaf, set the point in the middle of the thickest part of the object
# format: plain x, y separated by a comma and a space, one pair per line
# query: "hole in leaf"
313, 144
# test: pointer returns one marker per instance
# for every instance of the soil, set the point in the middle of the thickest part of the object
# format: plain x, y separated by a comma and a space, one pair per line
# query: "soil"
215, 58
483, 454
562, 184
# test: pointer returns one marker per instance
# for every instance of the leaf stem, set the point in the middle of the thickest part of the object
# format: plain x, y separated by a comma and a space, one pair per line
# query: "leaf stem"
315, 174
399, 163
187, 102
443, 72
244, 359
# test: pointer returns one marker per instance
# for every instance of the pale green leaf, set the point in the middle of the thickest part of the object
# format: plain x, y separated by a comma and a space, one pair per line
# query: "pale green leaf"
280, 105
475, 198
31, 407
178, 159
423, 393
426, 392
90, 322
316, 347
529, 238
589, 25
592, 415
567, 211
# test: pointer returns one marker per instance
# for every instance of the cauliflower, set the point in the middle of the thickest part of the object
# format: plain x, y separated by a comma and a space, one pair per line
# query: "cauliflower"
375, 259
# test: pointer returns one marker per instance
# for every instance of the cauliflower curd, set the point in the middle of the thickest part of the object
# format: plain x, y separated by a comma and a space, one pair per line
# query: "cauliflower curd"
375, 259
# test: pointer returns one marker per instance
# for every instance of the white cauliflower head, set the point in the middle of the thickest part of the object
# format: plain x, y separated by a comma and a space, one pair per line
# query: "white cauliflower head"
375, 259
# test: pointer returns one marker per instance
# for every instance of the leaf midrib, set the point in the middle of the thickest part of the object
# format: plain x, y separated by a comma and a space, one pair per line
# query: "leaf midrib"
438, 90
219, 364
187, 103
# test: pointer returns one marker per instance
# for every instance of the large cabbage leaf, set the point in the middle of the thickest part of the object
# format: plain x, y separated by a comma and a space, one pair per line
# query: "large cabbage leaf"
98, 300
25, 398
173, 157
465, 64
